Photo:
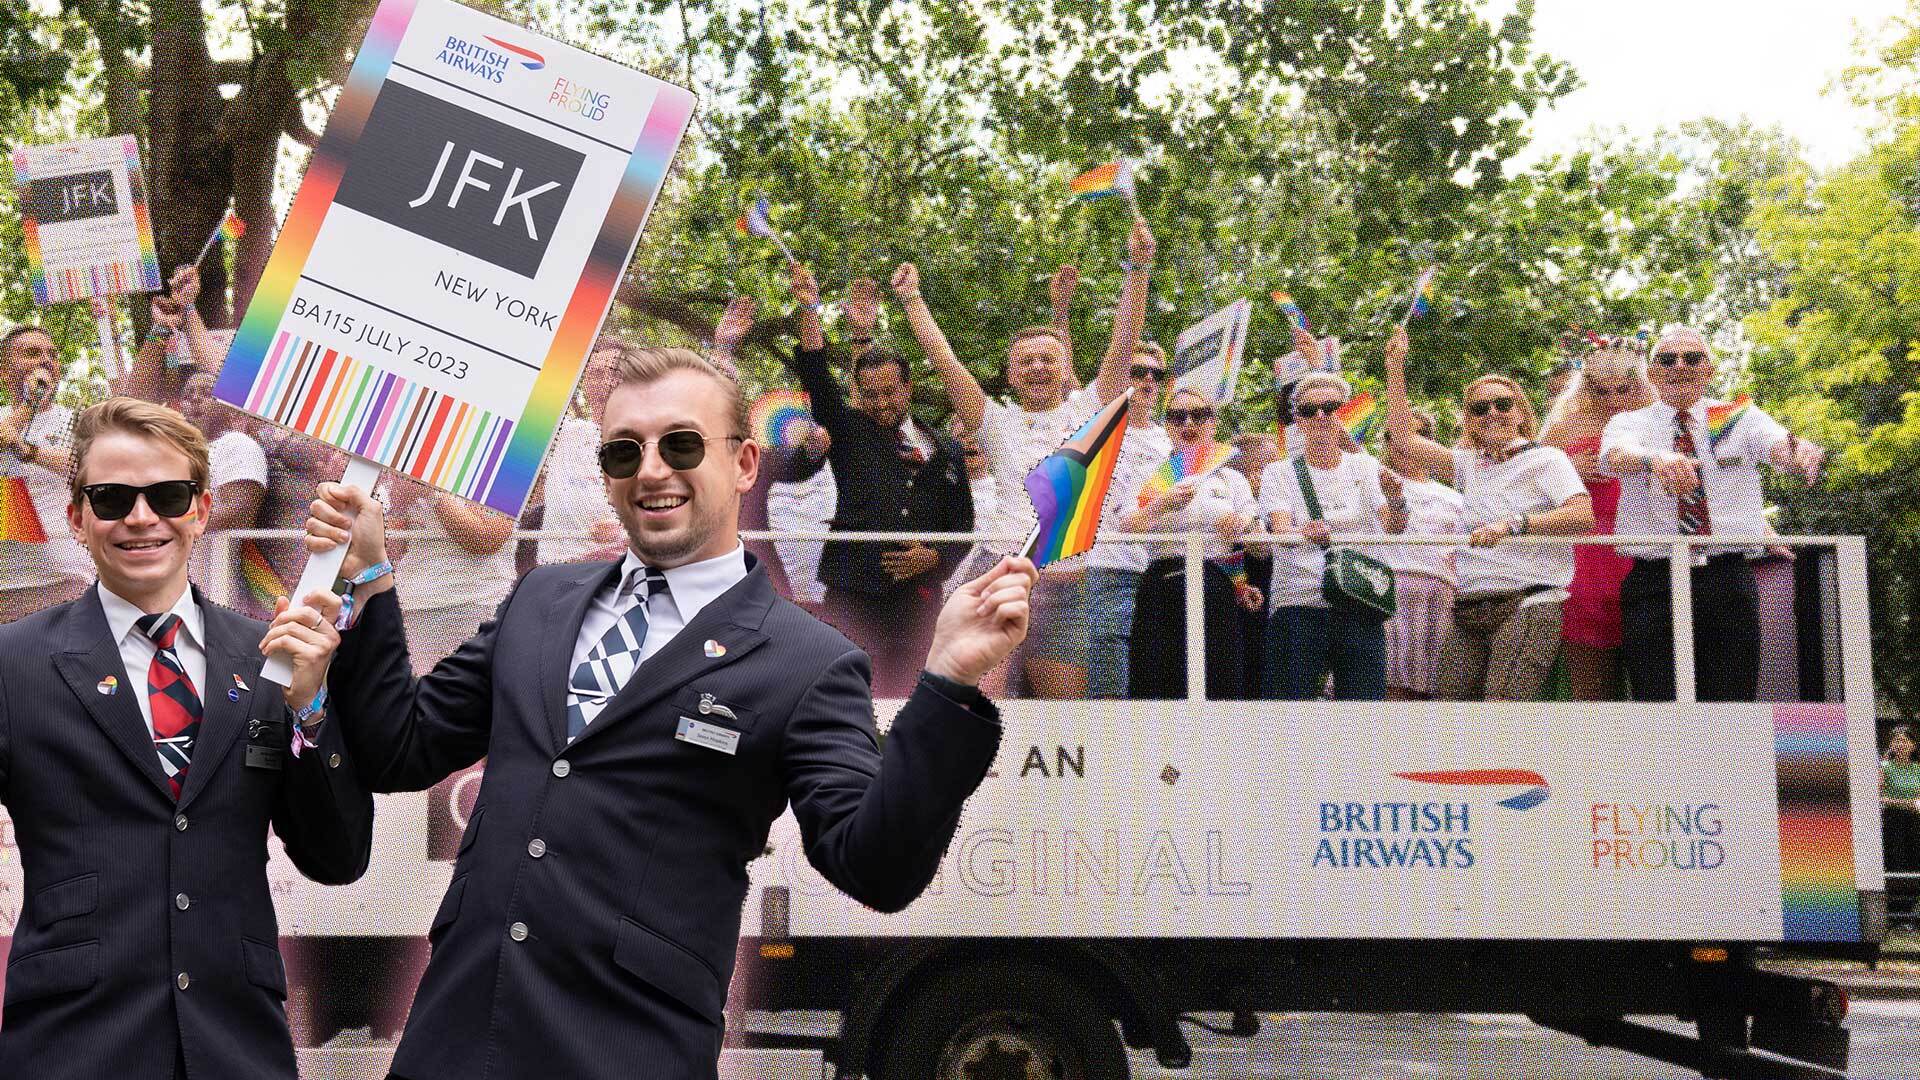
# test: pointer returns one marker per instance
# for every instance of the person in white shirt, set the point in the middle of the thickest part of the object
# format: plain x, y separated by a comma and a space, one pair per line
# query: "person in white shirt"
1423, 576
1114, 569
1307, 636
456, 571
1052, 662
572, 496
239, 485
34, 447
1689, 464
1506, 614
1220, 501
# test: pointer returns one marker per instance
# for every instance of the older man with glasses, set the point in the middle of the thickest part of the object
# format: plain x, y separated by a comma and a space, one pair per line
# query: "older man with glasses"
1689, 464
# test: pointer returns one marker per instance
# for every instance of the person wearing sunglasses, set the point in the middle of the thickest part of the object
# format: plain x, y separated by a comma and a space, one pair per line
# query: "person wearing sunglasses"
142, 761
1689, 464
1306, 636
1219, 501
893, 473
1609, 381
37, 567
1114, 569
1047, 408
1507, 606
644, 723
1424, 580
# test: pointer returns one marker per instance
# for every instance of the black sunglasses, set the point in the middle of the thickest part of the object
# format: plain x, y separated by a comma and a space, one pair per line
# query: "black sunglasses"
681, 450
1668, 359
1324, 408
168, 498
1487, 405
1144, 371
1197, 416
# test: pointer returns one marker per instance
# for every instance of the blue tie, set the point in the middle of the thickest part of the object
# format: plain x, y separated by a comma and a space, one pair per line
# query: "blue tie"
615, 657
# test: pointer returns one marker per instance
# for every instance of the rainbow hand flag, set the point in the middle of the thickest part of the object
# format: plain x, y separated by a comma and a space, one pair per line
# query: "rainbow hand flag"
1722, 419
1422, 294
1113, 178
1235, 564
262, 583
1185, 464
757, 221
780, 418
19, 521
1295, 317
1069, 486
233, 228
1360, 415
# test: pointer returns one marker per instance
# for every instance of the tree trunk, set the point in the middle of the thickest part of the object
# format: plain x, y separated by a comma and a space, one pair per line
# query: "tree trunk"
189, 164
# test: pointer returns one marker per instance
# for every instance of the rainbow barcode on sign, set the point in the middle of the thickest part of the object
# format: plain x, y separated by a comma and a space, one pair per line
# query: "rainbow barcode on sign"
380, 416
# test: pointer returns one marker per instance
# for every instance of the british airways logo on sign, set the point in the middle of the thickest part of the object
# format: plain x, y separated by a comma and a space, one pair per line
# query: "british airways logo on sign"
529, 59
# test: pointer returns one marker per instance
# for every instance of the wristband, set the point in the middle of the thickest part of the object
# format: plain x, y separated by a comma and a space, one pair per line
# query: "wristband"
316, 707
345, 587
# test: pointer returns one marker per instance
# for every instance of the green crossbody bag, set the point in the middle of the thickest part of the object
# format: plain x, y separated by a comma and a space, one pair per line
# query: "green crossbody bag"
1353, 581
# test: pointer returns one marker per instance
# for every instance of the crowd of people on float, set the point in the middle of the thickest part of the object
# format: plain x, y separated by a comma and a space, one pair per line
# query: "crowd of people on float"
1297, 520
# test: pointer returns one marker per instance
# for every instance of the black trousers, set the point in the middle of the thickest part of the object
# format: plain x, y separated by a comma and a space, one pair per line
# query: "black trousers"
1726, 630
1157, 654
895, 628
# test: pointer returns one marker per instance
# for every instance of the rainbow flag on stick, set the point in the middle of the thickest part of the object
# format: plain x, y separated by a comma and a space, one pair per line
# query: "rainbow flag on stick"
230, 227
1360, 415
1295, 317
759, 222
1069, 486
19, 522
1113, 178
1185, 464
1422, 295
1722, 419
780, 418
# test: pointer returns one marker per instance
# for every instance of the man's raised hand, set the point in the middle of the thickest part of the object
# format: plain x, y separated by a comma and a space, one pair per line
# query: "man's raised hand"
982, 622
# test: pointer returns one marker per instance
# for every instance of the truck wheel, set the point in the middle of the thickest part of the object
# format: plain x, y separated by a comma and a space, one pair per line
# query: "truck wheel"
1001, 1021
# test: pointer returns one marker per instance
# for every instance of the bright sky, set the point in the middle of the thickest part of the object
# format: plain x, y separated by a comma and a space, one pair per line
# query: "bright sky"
1647, 64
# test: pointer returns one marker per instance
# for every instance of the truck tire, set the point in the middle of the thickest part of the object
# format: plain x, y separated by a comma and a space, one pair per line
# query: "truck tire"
1000, 1021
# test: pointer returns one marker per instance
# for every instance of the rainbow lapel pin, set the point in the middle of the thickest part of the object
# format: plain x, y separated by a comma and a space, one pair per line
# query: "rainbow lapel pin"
714, 649
107, 686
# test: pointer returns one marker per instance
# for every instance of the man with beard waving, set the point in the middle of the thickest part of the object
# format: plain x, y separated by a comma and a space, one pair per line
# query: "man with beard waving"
644, 723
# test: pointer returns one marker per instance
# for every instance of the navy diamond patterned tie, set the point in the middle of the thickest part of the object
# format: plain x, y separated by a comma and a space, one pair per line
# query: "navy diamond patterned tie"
615, 657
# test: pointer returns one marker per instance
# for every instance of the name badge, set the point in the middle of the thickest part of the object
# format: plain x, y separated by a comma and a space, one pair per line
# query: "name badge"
711, 736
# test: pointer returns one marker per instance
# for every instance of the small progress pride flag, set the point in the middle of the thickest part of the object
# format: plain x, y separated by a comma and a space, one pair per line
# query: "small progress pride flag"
1069, 486
1113, 178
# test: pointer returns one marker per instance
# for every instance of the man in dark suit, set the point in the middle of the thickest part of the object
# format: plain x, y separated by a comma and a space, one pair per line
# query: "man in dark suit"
142, 767
644, 723
893, 474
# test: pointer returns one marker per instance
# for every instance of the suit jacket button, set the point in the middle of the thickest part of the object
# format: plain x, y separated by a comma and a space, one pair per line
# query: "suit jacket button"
518, 932
561, 768
180, 822
182, 902
182, 981
536, 847
333, 761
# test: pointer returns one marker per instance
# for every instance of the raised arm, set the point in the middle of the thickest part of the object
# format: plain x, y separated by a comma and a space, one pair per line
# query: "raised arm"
1060, 290
1130, 318
1400, 420
963, 390
827, 401
732, 328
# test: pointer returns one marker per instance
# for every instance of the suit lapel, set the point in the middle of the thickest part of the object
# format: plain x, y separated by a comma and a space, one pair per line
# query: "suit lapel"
565, 612
221, 720
87, 655
732, 621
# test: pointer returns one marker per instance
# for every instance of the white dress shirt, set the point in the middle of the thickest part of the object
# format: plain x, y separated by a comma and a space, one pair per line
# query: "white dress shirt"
1729, 469
137, 649
689, 588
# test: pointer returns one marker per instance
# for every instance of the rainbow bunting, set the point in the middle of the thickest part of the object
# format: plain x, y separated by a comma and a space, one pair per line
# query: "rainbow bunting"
1422, 294
1360, 415
1185, 464
1295, 317
18, 520
1722, 419
1113, 178
262, 582
780, 418
1069, 486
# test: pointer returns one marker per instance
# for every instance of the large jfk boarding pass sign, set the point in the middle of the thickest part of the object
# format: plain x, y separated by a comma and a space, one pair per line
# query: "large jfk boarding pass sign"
454, 248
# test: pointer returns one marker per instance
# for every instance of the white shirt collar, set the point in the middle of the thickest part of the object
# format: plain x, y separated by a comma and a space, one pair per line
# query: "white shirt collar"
122, 614
695, 585
1696, 412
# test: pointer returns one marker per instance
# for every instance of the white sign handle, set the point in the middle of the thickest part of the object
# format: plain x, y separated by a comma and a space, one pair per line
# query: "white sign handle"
322, 569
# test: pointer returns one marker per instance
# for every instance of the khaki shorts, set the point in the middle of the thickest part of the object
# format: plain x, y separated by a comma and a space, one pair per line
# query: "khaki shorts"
1499, 649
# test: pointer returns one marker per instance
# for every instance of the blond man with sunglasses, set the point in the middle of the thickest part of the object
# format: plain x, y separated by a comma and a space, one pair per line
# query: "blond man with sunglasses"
1506, 612
1690, 464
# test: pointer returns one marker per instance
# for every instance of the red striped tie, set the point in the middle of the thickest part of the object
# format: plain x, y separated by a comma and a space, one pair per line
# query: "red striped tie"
1692, 507
172, 698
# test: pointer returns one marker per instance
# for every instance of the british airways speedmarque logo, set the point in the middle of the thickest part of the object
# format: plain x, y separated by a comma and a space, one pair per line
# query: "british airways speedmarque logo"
1536, 785
529, 59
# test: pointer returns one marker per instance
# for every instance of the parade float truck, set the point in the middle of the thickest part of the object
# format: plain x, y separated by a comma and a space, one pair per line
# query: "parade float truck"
1130, 864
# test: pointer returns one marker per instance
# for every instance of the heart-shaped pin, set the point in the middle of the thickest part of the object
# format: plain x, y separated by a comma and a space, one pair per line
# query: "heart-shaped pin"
108, 685
714, 649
